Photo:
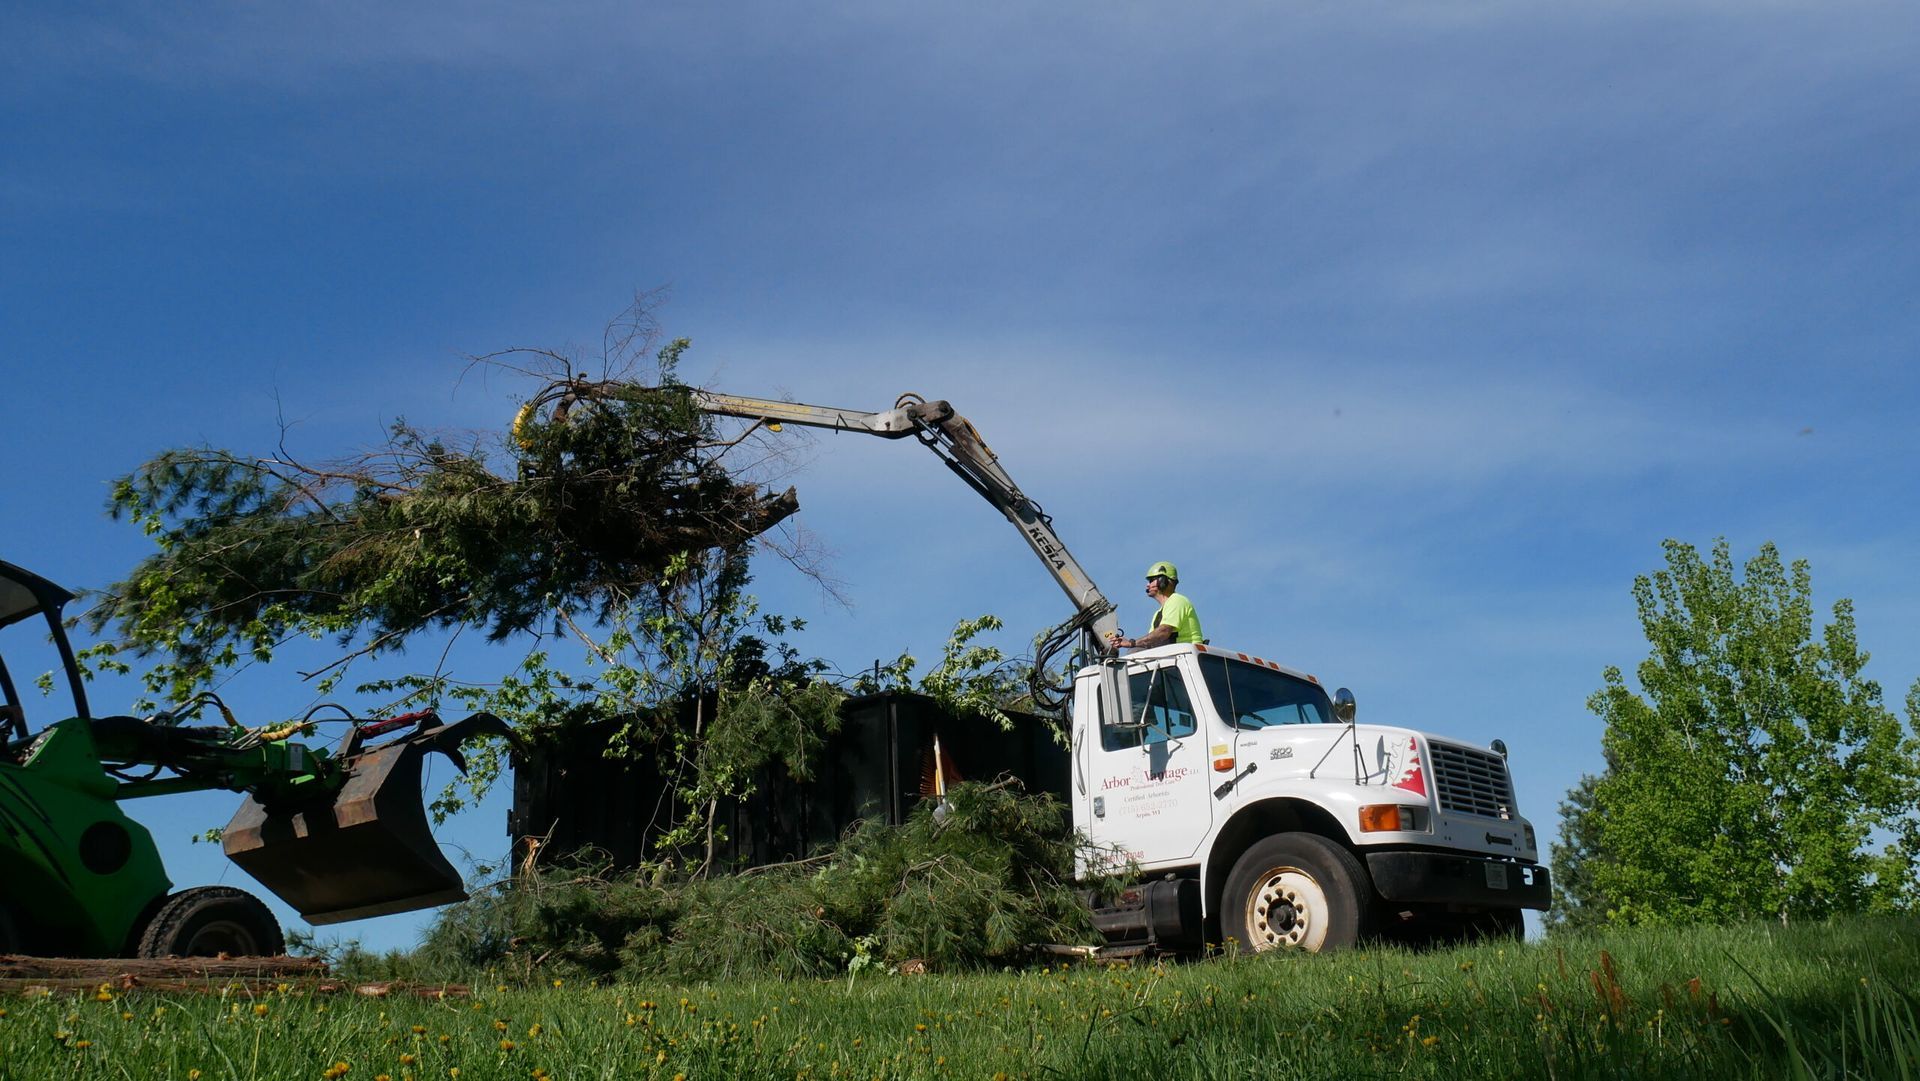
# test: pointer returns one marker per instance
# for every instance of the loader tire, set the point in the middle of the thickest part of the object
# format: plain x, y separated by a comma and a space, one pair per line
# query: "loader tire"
208, 920
1296, 891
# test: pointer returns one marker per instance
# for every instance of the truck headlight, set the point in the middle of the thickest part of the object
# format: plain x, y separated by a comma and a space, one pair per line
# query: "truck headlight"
1392, 817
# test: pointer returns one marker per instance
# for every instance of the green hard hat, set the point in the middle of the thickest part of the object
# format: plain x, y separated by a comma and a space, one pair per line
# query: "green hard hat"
1163, 569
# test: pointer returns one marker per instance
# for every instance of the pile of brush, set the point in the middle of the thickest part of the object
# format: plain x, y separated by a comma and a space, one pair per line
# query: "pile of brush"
972, 882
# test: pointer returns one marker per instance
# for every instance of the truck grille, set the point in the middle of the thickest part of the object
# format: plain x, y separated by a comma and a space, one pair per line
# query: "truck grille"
1471, 782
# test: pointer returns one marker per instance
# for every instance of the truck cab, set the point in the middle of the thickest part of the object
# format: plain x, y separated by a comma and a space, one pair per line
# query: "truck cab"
1258, 810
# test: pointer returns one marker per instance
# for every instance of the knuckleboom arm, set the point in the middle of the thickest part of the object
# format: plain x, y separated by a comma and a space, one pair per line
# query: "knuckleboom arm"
959, 445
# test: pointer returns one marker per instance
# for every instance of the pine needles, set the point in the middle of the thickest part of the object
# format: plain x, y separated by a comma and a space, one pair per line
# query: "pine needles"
586, 516
970, 887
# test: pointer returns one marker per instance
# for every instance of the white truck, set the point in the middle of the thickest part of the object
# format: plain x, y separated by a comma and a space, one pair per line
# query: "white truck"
1260, 812
1256, 807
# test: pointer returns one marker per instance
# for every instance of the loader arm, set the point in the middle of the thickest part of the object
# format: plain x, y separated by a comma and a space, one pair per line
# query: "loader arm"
958, 444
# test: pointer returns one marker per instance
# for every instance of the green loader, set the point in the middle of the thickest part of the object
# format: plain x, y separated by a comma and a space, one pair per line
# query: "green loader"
338, 835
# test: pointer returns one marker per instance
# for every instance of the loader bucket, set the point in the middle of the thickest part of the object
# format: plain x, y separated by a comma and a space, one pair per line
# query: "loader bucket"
365, 850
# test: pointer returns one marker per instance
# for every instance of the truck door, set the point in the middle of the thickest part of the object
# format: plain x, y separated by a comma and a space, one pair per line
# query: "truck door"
1147, 782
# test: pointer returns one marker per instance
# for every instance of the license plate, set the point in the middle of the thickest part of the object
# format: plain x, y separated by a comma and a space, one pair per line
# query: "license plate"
1496, 875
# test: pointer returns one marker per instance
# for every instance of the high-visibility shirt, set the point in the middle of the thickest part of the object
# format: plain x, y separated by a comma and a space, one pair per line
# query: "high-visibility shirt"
1177, 612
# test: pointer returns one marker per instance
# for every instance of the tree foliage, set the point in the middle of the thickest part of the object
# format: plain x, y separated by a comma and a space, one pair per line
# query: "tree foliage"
617, 522
1577, 859
1757, 775
972, 678
584, 520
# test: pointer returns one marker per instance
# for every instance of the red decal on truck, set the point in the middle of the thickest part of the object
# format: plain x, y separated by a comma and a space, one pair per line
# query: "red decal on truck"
1412, 778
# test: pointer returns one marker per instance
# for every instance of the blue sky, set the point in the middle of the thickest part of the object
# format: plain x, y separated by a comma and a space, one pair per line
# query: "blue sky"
1407, 331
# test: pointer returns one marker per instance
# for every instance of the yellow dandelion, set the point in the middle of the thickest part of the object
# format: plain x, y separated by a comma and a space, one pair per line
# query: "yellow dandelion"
559, 983
534, 1029
383, 1077
506, 1045
419, 1030
124, 1015
918, 1027
499, 1026
82, 1045
1429, 1041
193, 1075
409, 1059
259, 1009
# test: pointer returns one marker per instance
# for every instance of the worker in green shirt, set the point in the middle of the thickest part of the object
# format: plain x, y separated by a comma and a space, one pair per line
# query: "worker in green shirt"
1176, 621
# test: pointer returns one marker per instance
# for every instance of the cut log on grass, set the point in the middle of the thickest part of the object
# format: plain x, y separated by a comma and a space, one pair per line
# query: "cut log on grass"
15, 967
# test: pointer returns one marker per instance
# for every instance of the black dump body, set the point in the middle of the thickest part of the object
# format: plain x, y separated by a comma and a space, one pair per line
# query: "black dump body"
574, 799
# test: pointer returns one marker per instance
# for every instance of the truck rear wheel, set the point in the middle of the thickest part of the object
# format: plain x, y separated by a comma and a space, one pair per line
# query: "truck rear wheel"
1296, 891
209, 920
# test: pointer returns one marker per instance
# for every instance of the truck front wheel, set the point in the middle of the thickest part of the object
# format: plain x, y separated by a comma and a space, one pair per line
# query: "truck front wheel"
1296, 891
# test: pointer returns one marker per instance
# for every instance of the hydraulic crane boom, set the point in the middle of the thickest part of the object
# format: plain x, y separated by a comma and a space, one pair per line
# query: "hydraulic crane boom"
957, 443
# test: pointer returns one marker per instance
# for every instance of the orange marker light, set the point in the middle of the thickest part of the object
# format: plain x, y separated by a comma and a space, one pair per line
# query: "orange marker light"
1376, 817
1222, 765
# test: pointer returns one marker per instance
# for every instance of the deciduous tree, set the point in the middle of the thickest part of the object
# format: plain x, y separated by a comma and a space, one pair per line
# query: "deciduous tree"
1757, 772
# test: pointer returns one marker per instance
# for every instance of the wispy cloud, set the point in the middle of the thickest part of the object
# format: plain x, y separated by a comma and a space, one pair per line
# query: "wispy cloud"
1059, 412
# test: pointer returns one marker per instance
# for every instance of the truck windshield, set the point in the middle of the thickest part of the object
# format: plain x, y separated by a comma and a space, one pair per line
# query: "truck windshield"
1249, 696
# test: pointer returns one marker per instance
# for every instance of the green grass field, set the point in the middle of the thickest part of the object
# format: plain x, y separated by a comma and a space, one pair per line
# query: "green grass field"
1820, 1001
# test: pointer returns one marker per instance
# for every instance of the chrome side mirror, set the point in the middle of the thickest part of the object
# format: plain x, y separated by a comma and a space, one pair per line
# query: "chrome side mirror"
1343, 706
1116, 704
